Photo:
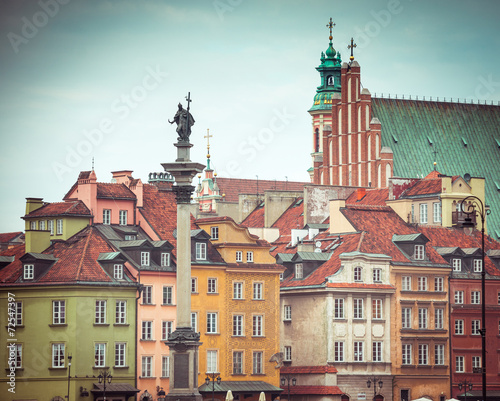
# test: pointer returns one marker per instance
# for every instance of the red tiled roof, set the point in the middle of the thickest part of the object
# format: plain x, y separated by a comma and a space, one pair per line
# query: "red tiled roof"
232, 187
7, 237
71, 208
114, 191
266, 266
424, 187
361, 285
292, 218
316, 390
292, 370
255, 218
372, 197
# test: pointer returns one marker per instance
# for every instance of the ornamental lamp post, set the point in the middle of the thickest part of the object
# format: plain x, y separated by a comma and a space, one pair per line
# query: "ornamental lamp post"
69, 373
104, 377
375, 381
475, 207
285, 379
213, 377
465, 384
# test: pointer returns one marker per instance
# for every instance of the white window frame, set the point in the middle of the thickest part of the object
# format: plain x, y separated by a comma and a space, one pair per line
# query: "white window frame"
358, 351
299, 271
258, 291
145, 258
457, 264
358, 310
50, 224
459, 327
168, 295
438, 284
165, 366
147, 330
42, 225
237, 290
237, 362
59, 312
249, 256
287, 353
358, 274
377, 275
436, 212
214, 233
118, 271
120, 354
238, 322
59, 227
377, 351
106, 216
258, 326
406, 318
123, 217
165, 259
194, 321
212, 285
406, 283
422, 283
28, 272
475, 297
100, 355
475, 327
58, 355
147, 295
212, 323
339, 351
19, 356
239, 256
377, 308
19, 313
406, 354
478, 265
147, 366
419, 252
167, 327
339, 306
100, 312
423, 354
258, 362
212, 361
459, 364
423, 318
33, 225
121, 312
287, 313
423, 213
439, 319
201, 251
194, 285
459, 297
476, 362
438, 354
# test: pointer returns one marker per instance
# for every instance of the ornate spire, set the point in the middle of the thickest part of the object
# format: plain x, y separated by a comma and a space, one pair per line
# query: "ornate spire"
208, 136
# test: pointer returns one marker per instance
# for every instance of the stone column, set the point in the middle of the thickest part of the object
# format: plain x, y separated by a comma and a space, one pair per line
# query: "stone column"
184, 341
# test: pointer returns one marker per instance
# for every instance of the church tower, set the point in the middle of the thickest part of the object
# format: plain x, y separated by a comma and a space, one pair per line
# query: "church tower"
347, 146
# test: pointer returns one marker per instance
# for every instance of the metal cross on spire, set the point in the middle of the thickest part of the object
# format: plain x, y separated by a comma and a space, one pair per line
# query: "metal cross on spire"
208, 136
351, 46
330, 25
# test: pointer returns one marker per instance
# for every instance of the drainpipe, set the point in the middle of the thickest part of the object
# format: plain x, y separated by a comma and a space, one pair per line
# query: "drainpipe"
449, 334
139, 289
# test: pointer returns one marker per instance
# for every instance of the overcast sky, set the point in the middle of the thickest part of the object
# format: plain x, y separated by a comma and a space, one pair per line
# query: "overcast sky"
82, 79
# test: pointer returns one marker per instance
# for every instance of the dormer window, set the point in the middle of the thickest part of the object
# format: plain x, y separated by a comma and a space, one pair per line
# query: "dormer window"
419, 252
201, 251
130, 237
118, 272
478, 265
29, 272
457, 265
144, 258
299, 271
358, 273
165, 259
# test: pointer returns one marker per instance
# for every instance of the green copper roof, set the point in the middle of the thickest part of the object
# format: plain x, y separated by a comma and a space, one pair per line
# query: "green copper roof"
466, 138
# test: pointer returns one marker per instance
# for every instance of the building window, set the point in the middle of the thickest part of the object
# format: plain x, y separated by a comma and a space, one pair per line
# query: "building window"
212, 361
476, 363
413, 213
358, 351
406, 354
478, 265
106, 216
147, 366
165, 366
406, 318
58, 312
358, 273
120, 355
419, 252
257, 291
422, 283
100, 312
459, 364
439, 354
239, 256
29, 272
165, 259
194, 285
237, 290
377, 275
121, 312
406, 283
257, 363
457, 265
422, 318
438, 284
51, 226
212, 322
439, 319
299, 271
19, 356
168, 295
144, 258
459, 327
147, 295
423, 213
377, 351
358, 308
129, 237
459, 297
100, 355
32, 225
59, 226
287, 312
339, 351
212, 285
18, 313
41, 225
123, 217
249, 257
237, 362
258, 325
201, 251
476, 327
288, 353
58, 355
475, 297
118, 272
339, 308
214, 233
167, 326
436, 212
194, 321
423, 354
147, 330
237, 325
376, 309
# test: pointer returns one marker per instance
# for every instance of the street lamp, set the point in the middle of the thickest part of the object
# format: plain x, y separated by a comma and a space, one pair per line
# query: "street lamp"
285, 379
69, 373
465, 384
212, 377
475, 207
104, 376
376, 381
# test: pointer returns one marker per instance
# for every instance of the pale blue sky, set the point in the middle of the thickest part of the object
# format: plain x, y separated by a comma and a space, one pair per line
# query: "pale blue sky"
70, 66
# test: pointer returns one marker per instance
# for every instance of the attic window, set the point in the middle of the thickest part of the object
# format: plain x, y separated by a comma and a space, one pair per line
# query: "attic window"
201, 251
457, 265
144, 258
299, 271
118, 272
130, 237
165, 259
419, 252
29, 272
